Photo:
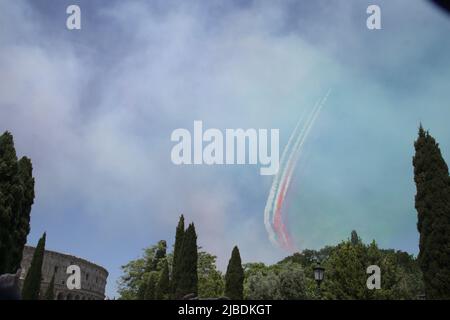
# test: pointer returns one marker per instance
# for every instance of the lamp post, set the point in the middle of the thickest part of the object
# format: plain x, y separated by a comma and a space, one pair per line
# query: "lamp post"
318, 276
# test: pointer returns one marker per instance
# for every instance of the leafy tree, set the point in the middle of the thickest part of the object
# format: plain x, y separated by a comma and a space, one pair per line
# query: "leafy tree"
293, 283
32, 282
433, 207
160, 254
188, 277
132, 284
234, 278
281, 281
308, 258
150, 288
346, 275
50, 293
163, 286
345, 271
261, 285
210, 280
177, 255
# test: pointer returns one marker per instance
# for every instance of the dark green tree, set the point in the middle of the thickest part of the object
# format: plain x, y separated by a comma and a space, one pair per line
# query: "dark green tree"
10, 196
50, 292
141, 291
188, 278
179, 236
160, 254
433, 211
16, 199
234, 278
210, 280
354, 238
150, 290
163, 286
22, 219
32, 283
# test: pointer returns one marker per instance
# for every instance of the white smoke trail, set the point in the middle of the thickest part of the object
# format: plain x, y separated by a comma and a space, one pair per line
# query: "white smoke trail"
295, 155
276, 182
296, 152
287, 165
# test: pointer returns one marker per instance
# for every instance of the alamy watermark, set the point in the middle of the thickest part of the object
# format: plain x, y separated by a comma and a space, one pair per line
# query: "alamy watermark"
236, 146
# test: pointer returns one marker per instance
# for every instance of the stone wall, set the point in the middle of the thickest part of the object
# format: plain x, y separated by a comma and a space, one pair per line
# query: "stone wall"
93, 277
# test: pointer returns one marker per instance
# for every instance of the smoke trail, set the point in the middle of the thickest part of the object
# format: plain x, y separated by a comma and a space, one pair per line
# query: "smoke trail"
275, 185
273, 220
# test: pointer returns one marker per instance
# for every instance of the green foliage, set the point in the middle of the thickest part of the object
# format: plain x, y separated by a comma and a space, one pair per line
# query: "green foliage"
210, 280
354, 238
159, 255
32, 282
132, 284
179, 237
163, 286
346, 276
281, 281
150, 288
188, 278
234, 278
50, 292
345, 271
433, 207
16, 199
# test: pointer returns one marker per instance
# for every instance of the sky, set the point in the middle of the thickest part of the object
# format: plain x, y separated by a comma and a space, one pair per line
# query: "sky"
94, 109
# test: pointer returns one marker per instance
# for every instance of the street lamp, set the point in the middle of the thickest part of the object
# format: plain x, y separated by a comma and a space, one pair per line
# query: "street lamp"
318, 276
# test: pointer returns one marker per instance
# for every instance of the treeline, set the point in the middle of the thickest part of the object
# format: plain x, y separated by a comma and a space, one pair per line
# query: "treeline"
345, 271
292, 278
185, 273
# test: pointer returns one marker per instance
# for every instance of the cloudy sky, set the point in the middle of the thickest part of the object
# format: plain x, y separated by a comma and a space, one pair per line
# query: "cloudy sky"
94, 109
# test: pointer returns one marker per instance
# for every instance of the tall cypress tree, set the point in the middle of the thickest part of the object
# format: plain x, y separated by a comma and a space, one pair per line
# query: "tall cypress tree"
188, 277
163, 286
32, 282
22, 221
179, 236
16, 199
50, 293
433, 207
234, 278
9, 197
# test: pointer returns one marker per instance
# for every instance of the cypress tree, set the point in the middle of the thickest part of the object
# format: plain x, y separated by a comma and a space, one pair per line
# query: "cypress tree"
16, 199
234, 278
32, 282
22, 223
188, 277
9, 196
432, 203
50, 293
179, 236
163, 286
150, 291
